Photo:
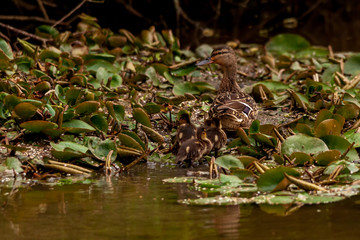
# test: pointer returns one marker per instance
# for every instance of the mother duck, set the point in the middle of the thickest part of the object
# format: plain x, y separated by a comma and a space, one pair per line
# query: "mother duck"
232, 106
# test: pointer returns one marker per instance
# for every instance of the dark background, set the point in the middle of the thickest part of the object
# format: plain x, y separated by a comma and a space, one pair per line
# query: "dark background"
322, 22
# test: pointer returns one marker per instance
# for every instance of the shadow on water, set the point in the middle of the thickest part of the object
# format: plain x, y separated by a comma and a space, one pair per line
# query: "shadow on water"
140, 206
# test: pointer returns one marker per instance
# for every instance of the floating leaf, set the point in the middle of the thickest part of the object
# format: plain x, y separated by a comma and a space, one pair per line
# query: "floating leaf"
341, 144
130, 142
303, 143
327, 157
117, 111
25, 110
13, 163
186, 87
152, 108
61, 146
300, 158
284, 43
99, 122
6, 48
38, 125
352, 65
229, 161
136, 138
77, 126
142, 117
328, 127
152, 134
87, 107
100, 149
273, 179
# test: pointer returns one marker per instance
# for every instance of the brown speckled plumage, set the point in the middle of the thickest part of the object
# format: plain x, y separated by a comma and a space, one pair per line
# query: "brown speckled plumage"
232, 106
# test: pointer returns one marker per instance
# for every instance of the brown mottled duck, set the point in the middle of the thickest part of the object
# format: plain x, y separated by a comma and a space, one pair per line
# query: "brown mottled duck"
232, 106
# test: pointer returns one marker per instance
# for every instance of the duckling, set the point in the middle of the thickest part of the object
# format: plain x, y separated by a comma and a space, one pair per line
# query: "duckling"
194, 149
186, 129
232, 106
215, 134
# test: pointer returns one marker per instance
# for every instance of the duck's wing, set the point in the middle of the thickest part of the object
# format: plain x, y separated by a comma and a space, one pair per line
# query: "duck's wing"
234, 109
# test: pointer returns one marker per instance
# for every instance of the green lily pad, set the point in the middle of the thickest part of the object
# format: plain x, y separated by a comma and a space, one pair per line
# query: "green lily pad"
273, 179
135, 137
25, 110
61, 146
341, 144
327, 157
303, 143
348, 111
142, 117
352, 65
284, 43
128, 141
152, 108
99, 122
229, 161
185, 87
13, 163
100, 149
6, 48
152, 134
38, 125
117, 111
77, 126
87, 107
300, 158
353, 136
328, 127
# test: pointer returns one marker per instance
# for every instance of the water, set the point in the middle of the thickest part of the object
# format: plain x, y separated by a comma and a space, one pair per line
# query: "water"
140, 206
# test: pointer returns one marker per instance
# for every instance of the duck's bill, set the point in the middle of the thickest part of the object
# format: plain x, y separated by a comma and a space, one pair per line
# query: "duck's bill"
204, 62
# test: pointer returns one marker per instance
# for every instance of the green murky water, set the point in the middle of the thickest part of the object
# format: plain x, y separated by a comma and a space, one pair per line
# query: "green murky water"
140, 206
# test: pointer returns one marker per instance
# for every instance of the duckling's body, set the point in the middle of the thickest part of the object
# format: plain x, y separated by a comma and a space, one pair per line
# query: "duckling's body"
215, 134
232, 106
186, 129
194, 149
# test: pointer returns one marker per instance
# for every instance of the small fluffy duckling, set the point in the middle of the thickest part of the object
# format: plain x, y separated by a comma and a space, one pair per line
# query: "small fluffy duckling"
194, 149
186, 129
215, 134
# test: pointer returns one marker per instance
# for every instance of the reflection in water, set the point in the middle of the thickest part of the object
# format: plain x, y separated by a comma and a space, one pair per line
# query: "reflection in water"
140, 206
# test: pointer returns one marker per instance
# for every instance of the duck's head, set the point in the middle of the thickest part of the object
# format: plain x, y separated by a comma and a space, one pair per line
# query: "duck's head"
224, 56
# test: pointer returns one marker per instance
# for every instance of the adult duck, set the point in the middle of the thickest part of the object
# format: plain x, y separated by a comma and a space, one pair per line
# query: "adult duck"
232, 106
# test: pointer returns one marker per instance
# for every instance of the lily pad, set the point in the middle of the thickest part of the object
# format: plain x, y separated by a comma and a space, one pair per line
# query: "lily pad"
341, 144
285, 43
274, 179
303, 143
87, 107
352, 65
229, 161
77, 126
142, 117
38, 125
25, 110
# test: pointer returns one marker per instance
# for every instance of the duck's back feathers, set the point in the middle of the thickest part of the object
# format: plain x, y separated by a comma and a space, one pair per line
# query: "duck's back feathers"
234, 110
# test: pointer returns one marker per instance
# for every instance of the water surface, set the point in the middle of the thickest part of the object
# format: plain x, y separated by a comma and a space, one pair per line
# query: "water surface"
139, 206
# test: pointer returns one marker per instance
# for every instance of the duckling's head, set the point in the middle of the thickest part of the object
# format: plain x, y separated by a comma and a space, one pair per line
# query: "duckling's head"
216, 122
201, 133
184, 118
224, 56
